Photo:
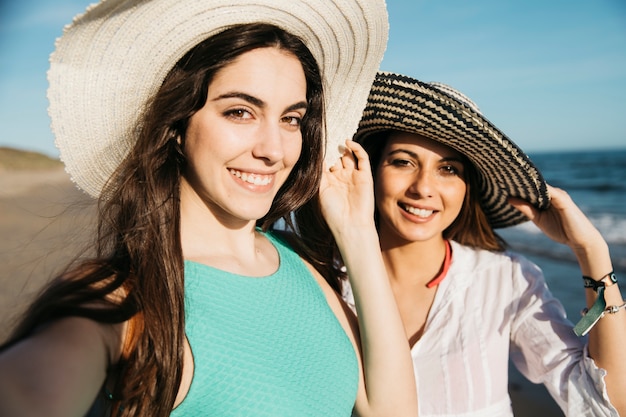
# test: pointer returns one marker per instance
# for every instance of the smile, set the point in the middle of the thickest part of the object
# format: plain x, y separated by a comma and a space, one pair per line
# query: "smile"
256, 179
417, 212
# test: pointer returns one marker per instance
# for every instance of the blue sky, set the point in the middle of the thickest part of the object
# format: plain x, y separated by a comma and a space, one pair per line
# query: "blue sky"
550, 73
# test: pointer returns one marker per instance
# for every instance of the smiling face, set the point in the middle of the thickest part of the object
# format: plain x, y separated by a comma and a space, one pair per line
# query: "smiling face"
420, 188
243, 143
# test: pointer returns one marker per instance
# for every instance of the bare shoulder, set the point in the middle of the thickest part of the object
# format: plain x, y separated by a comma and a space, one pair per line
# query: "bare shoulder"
59, 369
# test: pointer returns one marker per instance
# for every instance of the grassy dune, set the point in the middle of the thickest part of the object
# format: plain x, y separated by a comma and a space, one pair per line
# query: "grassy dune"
15, 159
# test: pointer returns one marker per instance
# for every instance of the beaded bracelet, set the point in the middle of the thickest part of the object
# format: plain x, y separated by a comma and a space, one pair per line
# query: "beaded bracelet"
599, 308
608, 310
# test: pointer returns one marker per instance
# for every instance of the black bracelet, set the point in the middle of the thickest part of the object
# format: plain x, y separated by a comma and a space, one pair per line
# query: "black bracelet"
605, 282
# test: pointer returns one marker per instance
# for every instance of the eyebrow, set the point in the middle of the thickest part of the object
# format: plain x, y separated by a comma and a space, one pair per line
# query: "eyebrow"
396, 151
257, 101
416, 156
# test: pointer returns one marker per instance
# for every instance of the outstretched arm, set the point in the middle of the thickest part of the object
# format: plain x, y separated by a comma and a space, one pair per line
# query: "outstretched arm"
387, 386
58, 370
565, 223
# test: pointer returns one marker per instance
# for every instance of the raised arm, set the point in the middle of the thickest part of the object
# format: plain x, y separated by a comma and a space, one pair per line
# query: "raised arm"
565, 223
387, 386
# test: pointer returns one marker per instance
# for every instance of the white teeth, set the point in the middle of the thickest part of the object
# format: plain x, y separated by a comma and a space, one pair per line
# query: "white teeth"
417, 212
252, 178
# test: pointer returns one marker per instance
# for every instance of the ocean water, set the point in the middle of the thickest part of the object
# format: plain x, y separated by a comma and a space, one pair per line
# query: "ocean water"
596, 181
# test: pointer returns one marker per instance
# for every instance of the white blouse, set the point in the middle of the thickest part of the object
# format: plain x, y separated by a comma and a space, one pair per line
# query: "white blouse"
492, 306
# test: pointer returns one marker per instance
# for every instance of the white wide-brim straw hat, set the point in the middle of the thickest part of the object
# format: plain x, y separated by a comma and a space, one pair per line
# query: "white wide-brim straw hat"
113, 58
439, 112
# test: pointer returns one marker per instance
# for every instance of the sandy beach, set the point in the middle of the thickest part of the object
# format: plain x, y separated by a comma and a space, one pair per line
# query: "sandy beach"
45, 222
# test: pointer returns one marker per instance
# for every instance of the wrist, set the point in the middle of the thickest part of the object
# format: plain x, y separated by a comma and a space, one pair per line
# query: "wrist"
606, 281
349, 233
598, 306
594, 259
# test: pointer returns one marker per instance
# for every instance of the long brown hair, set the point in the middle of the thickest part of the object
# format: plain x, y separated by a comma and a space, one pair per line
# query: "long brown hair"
138, 247
471, 227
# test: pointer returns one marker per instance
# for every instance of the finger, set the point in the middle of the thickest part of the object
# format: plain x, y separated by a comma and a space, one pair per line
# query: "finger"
337, 165
348, 160
526, 208
361, 156
560, 198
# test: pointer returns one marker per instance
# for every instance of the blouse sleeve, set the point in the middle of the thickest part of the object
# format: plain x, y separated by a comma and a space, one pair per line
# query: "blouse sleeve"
545, 349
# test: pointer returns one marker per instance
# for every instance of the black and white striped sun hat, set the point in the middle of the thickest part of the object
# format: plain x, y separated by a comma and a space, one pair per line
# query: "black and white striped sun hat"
441, 113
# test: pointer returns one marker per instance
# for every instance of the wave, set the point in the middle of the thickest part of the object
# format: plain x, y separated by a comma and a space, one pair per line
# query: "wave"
590, 186
596, 181
526, 238
612, 228
590, 171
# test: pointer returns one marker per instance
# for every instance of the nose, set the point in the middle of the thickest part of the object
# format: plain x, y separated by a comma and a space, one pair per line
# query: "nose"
423, 184
269, 143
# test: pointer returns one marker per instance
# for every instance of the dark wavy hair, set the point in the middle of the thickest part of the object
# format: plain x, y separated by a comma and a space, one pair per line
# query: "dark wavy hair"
138, 250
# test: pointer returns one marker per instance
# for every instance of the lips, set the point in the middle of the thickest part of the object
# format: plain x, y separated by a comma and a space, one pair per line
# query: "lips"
250, 178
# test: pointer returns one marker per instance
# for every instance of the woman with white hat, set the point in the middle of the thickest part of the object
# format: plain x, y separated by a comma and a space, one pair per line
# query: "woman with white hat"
198, 124
444, 179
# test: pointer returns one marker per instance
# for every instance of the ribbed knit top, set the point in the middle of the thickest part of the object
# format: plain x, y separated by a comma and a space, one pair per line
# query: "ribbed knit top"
265, 346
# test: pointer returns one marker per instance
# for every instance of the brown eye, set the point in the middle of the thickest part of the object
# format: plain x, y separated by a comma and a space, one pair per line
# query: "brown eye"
238, 114
450, 170
400, 162
292, 121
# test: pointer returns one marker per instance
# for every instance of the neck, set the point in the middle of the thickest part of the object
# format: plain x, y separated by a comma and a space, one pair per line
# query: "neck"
418, 262
215, 238
204, 235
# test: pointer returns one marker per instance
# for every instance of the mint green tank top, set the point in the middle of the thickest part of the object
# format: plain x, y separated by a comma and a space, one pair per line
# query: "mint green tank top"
265, 346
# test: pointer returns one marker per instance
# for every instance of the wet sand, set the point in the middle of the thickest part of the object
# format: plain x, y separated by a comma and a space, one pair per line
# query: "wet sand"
45, 221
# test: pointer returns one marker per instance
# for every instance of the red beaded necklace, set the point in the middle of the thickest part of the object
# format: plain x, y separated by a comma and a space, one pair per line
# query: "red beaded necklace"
446, 265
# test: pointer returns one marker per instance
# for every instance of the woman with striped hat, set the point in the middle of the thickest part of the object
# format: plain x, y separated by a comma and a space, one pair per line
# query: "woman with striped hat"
444, 179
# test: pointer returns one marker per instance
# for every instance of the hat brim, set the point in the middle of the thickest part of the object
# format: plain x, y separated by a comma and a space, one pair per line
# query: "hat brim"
113, 58
397, 102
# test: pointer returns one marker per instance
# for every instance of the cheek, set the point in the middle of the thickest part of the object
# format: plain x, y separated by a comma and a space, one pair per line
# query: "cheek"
456, 196
385, 193
194, 151
380, 191
390, 186
293, 149
194, 136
